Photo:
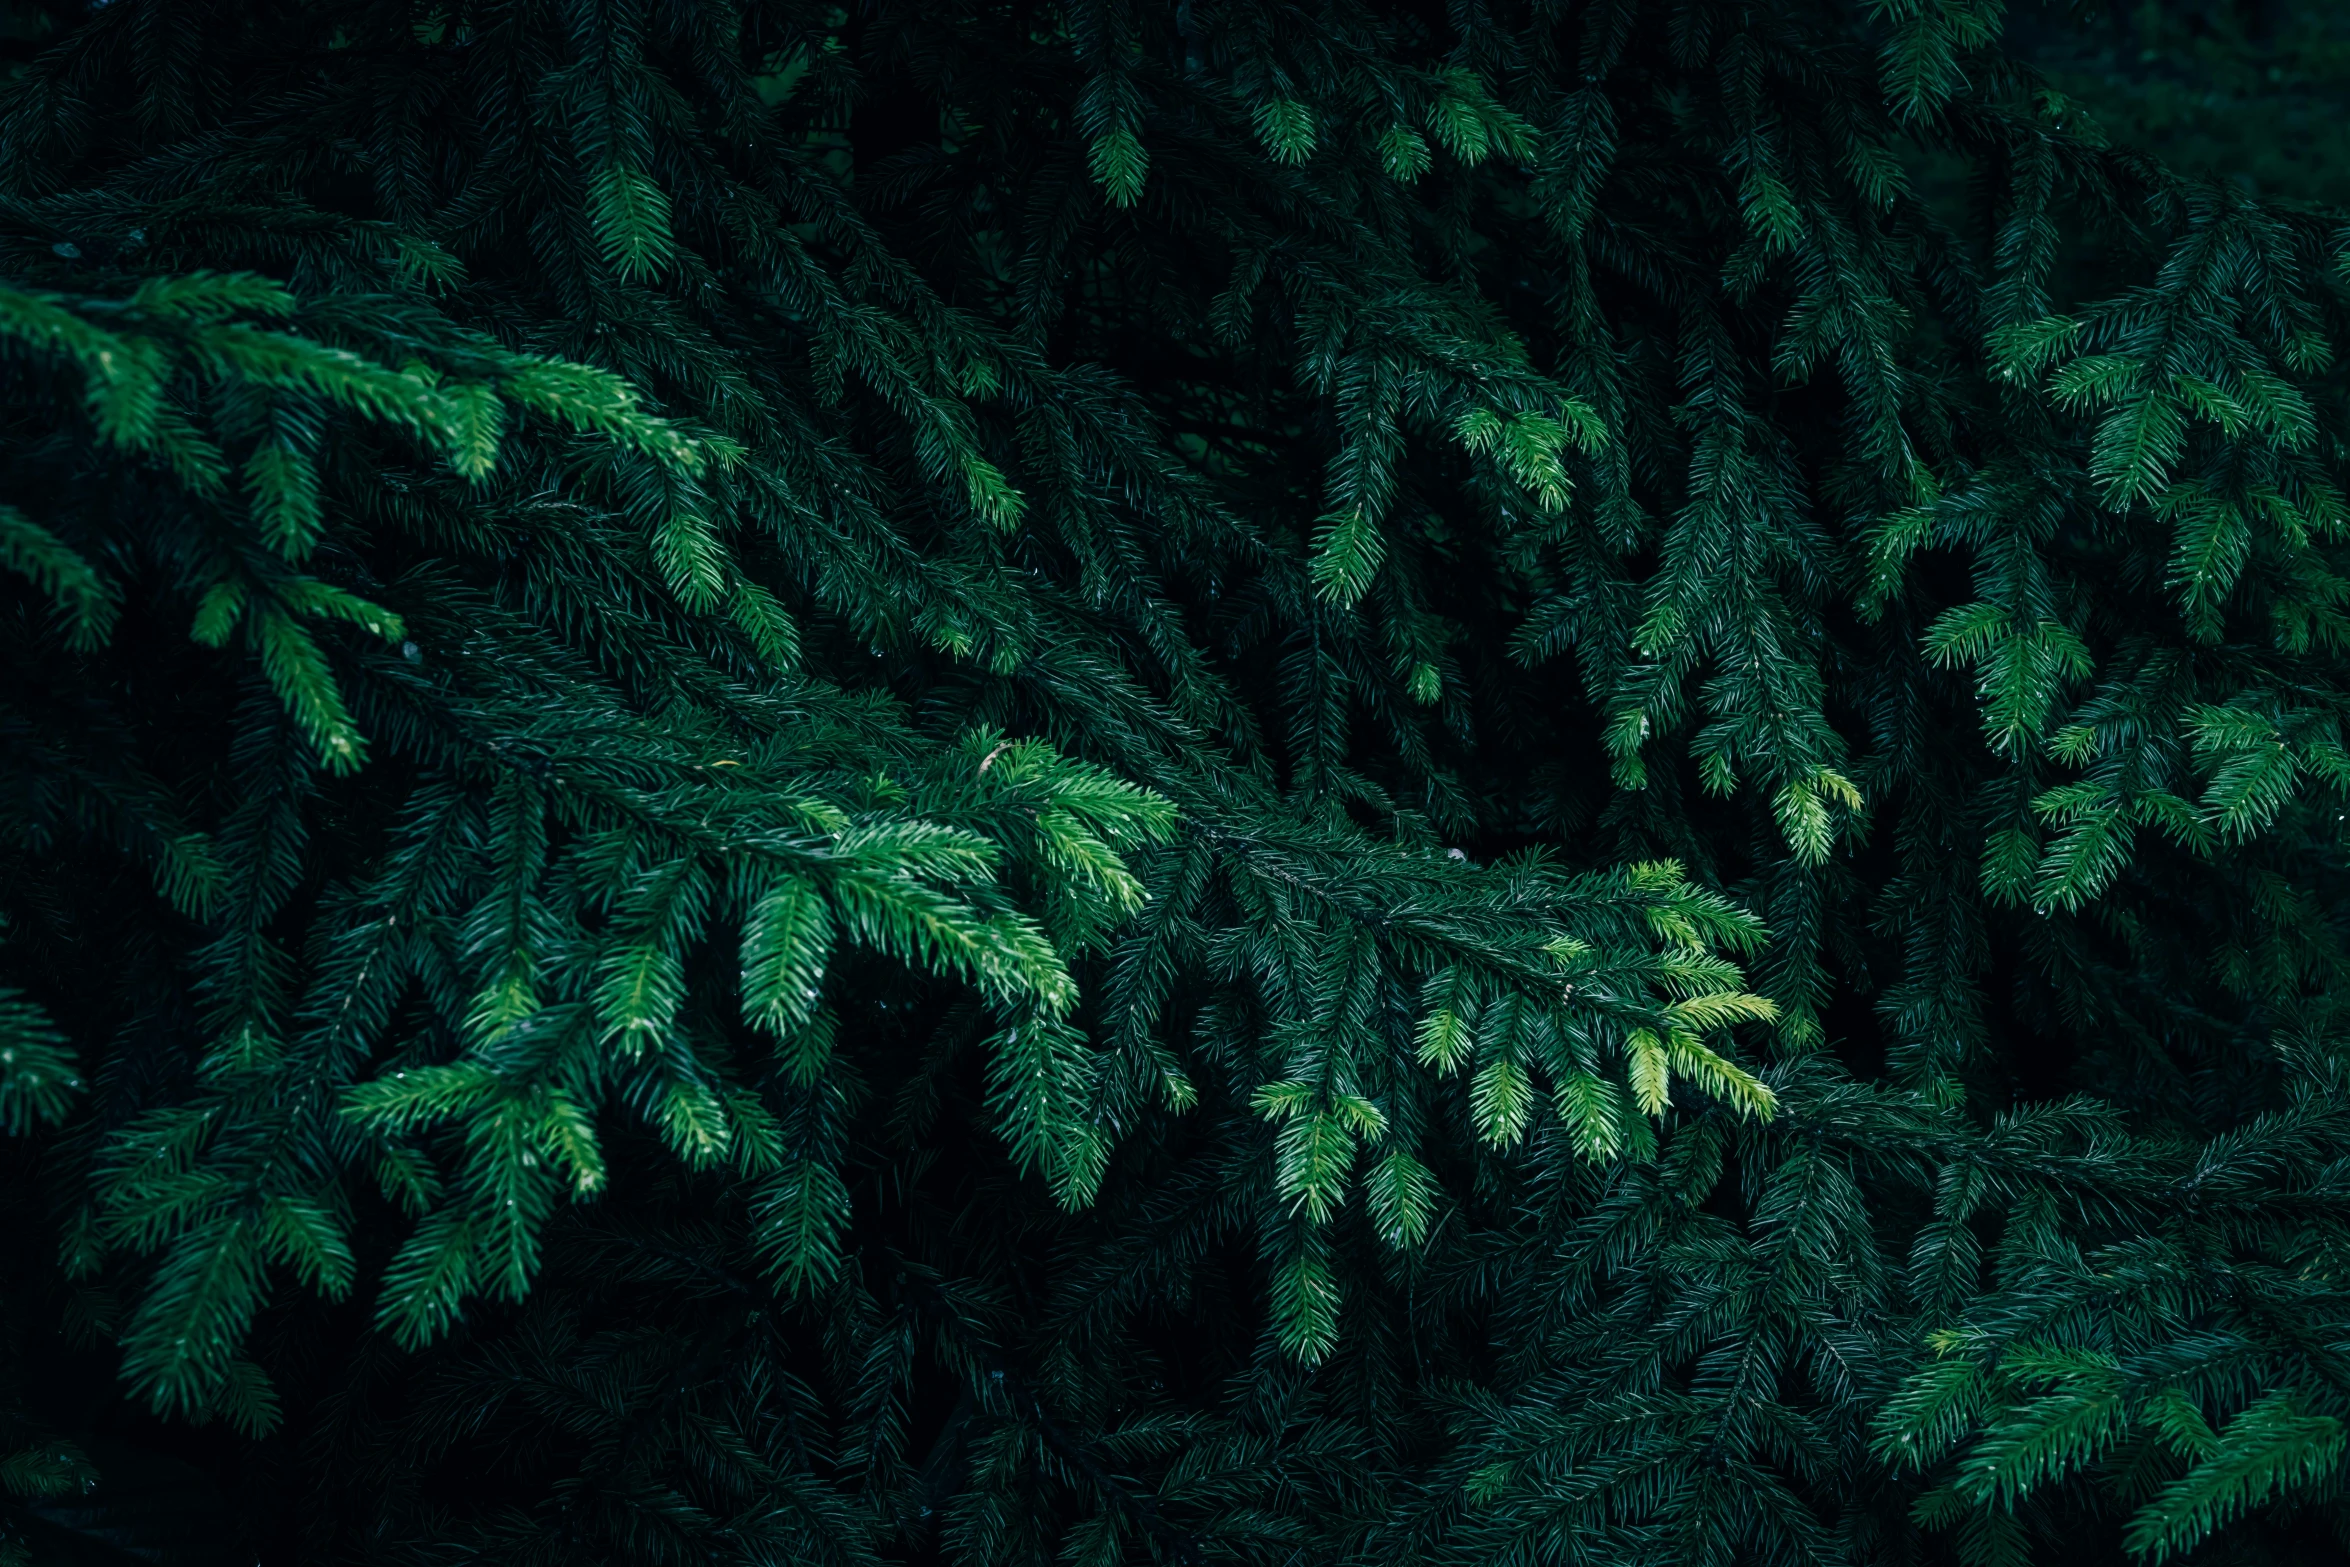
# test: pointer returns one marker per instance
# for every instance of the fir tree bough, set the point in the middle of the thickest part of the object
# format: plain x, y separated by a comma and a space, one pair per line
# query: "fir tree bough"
976, 782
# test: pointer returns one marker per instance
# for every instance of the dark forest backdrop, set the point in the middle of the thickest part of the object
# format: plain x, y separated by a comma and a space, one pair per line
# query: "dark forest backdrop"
966, 781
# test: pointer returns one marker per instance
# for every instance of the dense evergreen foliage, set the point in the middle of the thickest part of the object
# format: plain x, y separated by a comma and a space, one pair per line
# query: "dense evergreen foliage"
1543, 782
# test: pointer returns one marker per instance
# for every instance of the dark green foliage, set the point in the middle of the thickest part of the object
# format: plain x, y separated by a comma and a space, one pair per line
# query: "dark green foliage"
957, 782
2246, 90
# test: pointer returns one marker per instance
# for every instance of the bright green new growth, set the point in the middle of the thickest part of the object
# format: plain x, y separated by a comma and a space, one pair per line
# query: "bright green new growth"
1122, 785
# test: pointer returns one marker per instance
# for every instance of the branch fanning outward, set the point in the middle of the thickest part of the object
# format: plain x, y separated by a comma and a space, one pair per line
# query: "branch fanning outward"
1111, 784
